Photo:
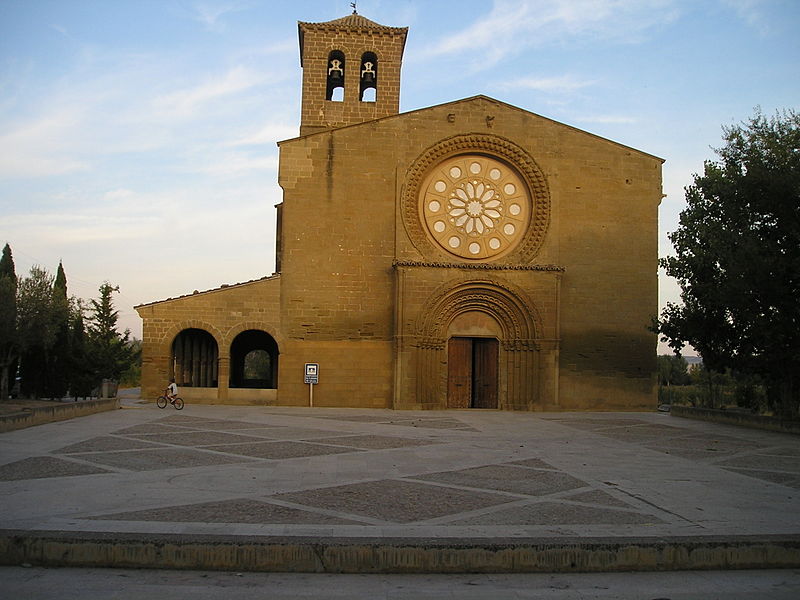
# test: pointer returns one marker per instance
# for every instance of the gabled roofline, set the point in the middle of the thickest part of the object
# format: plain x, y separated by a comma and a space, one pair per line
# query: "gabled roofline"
221, 288
472, 99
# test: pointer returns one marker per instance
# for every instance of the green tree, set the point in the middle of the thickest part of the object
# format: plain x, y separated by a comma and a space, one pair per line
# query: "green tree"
81, 375
35, 329
132, 376
59, 362
672, 370
110, 351
9, 343
737, 258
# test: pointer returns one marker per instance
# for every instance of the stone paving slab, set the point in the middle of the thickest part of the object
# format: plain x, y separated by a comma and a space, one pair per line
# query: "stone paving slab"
509, 478
543, 513
41, 467
229, 511
373, 442
196, 438
107, 443
154, 460
395, 501
452, 479
281, 450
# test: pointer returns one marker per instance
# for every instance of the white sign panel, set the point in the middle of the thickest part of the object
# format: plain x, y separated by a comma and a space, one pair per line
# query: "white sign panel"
312, 373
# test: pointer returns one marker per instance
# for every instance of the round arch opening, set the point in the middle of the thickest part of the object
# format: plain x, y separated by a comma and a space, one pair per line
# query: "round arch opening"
254, 361
195, 359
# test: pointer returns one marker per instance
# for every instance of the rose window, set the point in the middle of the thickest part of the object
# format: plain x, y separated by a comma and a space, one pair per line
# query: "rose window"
475, 207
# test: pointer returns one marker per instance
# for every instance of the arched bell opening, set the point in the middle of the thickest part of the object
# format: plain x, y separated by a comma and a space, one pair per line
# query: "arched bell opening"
335, 76
254, 361
195, 358
368, 85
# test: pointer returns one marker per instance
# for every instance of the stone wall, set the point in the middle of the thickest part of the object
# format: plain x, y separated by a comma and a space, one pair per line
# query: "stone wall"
224, 313
586, 274
343, 227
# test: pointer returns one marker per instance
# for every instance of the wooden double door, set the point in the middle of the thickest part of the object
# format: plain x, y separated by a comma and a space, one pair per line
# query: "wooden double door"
472, 372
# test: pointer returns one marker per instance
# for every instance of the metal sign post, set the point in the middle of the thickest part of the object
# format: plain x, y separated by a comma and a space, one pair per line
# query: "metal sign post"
311, 378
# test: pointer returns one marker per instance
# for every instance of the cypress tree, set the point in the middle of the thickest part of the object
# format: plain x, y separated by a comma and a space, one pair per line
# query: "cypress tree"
110, 350
9, 342
58, 357
81, 377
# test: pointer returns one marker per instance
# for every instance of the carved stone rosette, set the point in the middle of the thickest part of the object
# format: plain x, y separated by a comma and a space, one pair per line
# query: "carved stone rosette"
475, 198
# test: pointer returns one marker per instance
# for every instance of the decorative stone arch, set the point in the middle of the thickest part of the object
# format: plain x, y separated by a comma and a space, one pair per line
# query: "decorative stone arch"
520, 324
493, 146
235, 330
193, 358
245, 339
176, 328
517, 316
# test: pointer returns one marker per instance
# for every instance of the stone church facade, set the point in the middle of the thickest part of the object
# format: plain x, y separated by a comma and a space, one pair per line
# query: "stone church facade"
470, 254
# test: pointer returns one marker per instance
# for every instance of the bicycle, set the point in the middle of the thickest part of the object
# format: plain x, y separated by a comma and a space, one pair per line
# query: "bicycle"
177, 402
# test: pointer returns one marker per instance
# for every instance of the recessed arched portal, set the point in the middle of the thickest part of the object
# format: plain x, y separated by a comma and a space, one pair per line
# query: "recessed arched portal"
472, 355
477, 347
195, 357
254, 360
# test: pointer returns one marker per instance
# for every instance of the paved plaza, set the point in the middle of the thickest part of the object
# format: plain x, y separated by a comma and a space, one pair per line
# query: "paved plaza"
226, 477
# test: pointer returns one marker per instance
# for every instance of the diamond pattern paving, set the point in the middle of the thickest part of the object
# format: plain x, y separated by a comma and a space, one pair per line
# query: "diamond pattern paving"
106, 443
198, 438
508, 478
375, 442
524, 492
597, 497
281, 450
229, 511
40, 467
228, 425
594, 423
152, 428
393, 500
703, 447
551, 513
433, 424
154, 460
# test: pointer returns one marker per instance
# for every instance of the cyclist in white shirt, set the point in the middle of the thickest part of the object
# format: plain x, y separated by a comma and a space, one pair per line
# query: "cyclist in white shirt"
172, 391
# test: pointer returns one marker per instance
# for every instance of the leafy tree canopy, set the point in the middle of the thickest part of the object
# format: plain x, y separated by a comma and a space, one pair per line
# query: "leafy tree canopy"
737, 257
672, 370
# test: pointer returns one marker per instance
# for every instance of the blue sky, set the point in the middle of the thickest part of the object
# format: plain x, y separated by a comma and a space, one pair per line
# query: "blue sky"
138, 137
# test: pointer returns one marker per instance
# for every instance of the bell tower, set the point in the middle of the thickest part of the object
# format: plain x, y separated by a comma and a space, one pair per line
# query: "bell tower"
351, 72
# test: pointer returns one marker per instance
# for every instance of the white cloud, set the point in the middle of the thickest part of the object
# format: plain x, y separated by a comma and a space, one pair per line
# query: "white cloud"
514, 25
38, 147
271, 133
183, 103
561, 84
607, 119
209, 13
227, 164
750, 11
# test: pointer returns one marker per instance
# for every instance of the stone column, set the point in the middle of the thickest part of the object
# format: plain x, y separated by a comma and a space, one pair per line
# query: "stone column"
223, 378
